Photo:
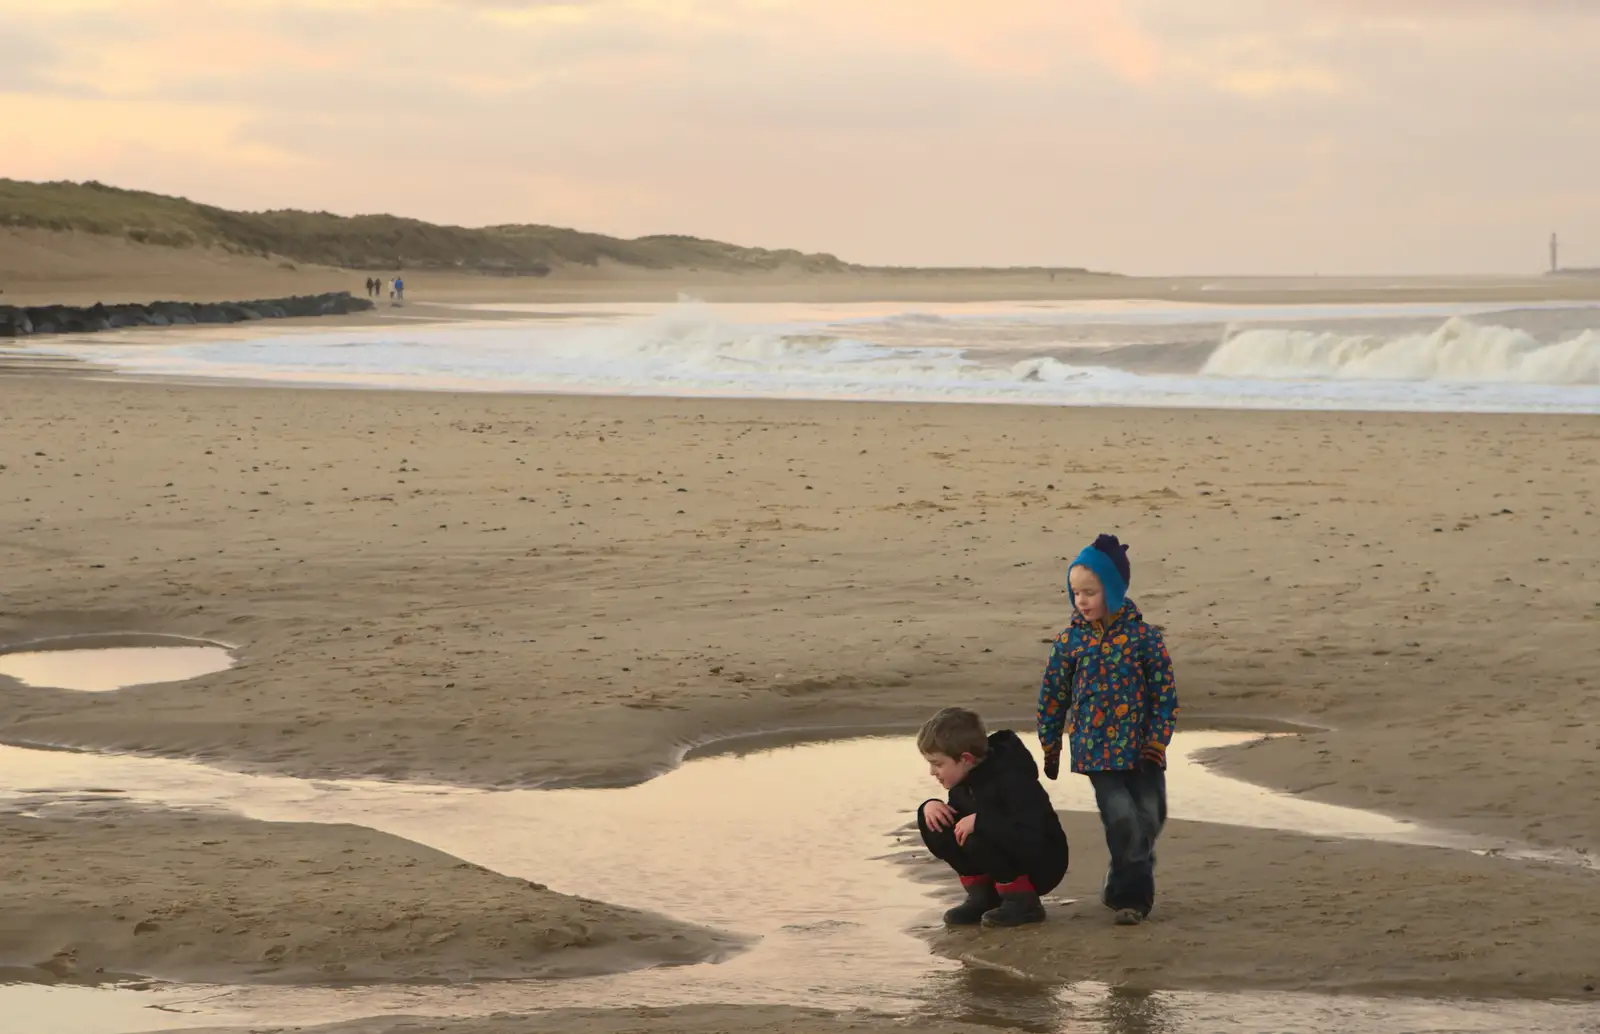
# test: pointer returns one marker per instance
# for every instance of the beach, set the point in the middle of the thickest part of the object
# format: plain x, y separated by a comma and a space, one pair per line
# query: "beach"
531, 590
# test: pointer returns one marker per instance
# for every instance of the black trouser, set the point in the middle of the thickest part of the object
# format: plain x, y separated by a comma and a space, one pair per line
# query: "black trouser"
1133, 809
986, 856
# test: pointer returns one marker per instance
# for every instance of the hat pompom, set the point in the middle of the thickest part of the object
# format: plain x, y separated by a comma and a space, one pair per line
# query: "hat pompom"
1117, 553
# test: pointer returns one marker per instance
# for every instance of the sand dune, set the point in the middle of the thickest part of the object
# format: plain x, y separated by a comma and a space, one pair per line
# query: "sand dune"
40, 267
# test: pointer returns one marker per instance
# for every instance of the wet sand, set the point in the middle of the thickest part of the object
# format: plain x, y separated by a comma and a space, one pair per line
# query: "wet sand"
711, 1019
1269, 910
106, 890
843, 920
566, 591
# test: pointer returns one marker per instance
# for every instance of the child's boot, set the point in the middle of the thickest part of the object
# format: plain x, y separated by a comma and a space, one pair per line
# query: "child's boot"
1019, 905
981, 898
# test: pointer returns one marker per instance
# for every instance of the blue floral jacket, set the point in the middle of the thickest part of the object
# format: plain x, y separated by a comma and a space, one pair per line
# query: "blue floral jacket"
1112, 689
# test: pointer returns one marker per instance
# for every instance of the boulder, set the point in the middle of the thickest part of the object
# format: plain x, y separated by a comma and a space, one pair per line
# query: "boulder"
14, 322
66, 319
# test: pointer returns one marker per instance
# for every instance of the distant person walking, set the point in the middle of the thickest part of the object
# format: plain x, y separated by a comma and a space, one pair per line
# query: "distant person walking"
400, 288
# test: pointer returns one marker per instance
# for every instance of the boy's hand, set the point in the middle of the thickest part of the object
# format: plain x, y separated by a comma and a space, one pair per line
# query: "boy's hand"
1052, 763
964, 828
938, 815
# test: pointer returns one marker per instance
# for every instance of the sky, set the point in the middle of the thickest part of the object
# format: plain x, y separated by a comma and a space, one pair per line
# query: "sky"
1156, 137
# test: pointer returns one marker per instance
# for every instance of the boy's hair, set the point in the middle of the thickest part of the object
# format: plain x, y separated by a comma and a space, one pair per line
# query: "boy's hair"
953, 732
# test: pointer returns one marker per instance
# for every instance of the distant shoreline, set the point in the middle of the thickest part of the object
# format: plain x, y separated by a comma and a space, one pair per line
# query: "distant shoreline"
48, 267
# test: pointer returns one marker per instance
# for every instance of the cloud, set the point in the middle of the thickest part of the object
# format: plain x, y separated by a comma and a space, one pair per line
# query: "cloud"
1143, 135
1511, 11
27, 59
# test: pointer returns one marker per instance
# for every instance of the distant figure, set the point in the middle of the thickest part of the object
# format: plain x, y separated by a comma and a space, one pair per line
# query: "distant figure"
400, 288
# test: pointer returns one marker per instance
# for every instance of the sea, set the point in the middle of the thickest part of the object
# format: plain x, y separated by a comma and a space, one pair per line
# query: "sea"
1407, 357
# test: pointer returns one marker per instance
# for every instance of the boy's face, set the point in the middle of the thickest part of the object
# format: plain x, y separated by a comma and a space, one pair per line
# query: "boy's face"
1088, 595
948, 770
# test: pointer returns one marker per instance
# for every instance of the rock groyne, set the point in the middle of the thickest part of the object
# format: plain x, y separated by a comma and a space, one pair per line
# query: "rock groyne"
23, 321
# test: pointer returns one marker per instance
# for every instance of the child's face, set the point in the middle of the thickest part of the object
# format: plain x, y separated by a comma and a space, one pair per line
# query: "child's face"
1088, 595
948, 770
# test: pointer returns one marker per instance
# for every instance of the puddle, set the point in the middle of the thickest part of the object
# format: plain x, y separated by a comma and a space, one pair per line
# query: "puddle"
101, 664
811, 834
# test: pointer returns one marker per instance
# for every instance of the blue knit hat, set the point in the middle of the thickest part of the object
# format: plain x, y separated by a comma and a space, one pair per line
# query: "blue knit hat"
1108, 559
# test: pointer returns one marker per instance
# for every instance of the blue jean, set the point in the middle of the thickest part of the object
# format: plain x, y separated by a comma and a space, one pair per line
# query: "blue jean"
1133, 808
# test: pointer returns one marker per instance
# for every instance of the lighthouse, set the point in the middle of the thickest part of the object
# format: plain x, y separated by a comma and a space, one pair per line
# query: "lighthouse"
1555, 254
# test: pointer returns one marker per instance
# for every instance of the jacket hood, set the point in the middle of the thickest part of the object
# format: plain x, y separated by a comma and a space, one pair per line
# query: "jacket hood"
1009, 757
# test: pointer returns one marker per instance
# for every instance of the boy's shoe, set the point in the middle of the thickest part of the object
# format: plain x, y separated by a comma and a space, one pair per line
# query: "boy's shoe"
1019, 905
981, 898
1129, 917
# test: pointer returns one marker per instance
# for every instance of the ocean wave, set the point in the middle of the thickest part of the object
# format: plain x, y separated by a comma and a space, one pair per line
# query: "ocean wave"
1458, 351
703, 350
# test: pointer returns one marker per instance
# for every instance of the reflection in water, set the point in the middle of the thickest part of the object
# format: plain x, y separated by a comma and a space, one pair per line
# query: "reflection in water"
1134, 1012
788, 844
970, 996
980, 995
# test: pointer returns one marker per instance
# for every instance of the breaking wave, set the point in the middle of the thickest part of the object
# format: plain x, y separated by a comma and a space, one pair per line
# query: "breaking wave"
1459, 351
708, 350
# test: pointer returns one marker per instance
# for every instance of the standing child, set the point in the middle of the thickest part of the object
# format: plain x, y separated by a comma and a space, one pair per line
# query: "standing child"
1110, 683
999, 831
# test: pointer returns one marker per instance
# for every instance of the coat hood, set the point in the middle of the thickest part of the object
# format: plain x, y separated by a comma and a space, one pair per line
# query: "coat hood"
1009, 758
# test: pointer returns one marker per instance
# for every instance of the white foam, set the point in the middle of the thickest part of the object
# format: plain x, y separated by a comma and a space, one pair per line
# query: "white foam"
1458, 351
931, 354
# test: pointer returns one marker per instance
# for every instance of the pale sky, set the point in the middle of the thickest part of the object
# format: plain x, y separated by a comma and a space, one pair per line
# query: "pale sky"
1141, 136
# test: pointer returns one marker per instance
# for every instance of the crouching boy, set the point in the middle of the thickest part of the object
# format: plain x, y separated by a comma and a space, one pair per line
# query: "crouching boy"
998, 831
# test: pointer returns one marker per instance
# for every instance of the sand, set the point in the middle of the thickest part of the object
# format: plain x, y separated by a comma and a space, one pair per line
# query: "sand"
203, 897
501, 590
525, 591
712, 1019
1271, 910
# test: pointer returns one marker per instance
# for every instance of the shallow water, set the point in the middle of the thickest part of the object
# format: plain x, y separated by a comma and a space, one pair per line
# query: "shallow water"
796, 845
91, 668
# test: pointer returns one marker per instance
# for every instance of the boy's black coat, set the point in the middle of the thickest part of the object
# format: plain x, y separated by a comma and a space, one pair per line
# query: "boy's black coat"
1014, 811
